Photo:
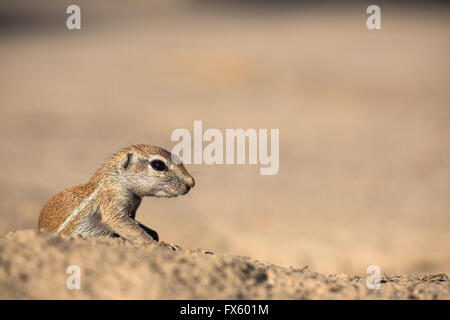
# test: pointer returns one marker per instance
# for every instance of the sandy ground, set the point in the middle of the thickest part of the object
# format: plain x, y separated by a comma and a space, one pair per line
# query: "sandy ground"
363, 118
116, 269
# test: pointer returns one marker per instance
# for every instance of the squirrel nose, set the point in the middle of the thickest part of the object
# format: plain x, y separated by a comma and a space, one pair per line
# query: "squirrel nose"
189, 185
190, 182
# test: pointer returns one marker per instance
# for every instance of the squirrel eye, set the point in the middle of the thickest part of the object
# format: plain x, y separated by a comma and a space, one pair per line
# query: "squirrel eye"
158, 165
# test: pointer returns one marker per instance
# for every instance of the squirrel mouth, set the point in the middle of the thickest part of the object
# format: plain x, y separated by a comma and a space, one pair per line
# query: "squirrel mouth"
172, 192
167, 194
186, 190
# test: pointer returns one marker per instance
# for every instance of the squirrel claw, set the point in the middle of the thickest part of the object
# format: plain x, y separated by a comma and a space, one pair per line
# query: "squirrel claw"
169, 246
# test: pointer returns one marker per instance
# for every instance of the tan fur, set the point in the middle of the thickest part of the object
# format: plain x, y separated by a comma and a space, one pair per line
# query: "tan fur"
106, 205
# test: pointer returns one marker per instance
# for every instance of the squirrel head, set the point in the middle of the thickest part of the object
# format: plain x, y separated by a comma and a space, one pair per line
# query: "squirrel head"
151, 171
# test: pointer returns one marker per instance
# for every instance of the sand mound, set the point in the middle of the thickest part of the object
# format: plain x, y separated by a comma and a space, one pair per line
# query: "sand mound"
33, 266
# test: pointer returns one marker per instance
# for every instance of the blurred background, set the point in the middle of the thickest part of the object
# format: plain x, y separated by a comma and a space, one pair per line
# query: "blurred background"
363, 118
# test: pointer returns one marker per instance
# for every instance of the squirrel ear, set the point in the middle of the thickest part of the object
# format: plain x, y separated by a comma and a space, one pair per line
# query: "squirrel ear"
127, 160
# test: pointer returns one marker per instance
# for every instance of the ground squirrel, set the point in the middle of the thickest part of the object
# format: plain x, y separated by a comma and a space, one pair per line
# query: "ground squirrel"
107, 204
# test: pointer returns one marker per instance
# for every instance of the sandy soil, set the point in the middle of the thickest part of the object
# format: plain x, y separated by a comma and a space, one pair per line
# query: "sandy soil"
364, 139
33, 266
